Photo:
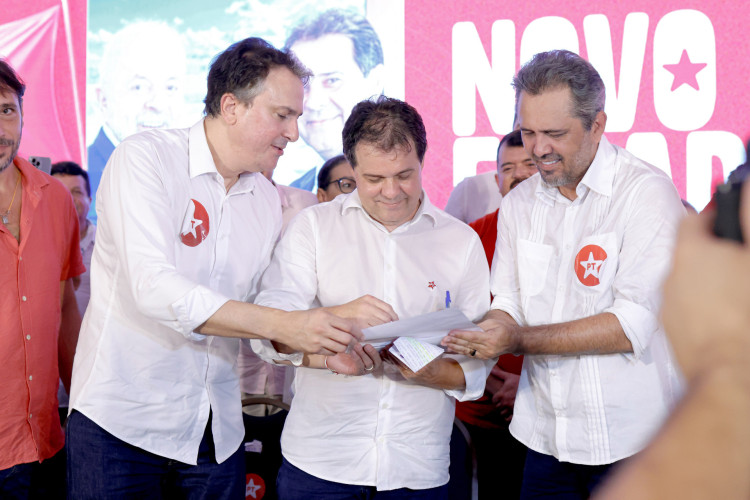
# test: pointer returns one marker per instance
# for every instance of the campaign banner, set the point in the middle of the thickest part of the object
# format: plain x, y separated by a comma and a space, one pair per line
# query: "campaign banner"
675, 73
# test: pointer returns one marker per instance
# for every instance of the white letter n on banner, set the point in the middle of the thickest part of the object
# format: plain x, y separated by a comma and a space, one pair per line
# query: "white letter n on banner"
472, 73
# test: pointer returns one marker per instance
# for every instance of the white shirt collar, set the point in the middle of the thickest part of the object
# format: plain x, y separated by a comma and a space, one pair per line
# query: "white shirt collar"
201, 161
426, 208
599, 176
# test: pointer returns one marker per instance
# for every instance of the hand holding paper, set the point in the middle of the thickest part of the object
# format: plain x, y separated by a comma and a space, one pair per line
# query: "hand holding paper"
430, 328
417, 339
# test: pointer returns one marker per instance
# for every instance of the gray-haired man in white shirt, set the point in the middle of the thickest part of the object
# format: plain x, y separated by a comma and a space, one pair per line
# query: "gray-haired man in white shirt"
385, 432
581, 253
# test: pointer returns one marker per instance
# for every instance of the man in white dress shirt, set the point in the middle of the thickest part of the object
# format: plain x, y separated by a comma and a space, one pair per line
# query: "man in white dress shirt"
186, 227
581, 253
385, 432
474, 197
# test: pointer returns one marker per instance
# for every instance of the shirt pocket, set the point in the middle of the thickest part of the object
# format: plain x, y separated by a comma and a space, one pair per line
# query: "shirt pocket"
533, 264
595, 264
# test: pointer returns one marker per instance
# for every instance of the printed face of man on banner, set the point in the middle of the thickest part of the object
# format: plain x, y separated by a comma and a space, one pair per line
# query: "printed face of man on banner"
344, 53
141, 79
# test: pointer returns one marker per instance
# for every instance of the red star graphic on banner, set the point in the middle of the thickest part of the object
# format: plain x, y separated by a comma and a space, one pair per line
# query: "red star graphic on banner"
431, 284
685, 72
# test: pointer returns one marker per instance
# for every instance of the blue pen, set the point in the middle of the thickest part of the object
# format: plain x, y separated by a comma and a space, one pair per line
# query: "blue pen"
447, 299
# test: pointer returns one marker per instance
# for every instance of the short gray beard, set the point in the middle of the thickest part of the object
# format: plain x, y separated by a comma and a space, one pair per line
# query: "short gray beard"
557, 182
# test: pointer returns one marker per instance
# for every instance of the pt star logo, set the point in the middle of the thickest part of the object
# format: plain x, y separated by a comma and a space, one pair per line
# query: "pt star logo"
588, 264
255, 487
194, 225
431, 284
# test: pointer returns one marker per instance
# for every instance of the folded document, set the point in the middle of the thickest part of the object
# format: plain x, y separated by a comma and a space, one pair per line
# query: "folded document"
417, 340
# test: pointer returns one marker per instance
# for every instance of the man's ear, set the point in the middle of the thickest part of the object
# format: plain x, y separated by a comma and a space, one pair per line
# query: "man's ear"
497, 180
597, 128
230, 107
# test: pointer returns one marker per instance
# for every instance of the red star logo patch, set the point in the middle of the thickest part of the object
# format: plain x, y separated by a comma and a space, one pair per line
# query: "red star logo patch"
194, 225
588, 263
255, 487
431, 284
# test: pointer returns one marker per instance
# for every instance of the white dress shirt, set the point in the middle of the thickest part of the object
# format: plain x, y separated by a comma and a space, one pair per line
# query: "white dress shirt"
83, 292
549, 268
172, 247
474, 197
376, 430
257, 376
293, 200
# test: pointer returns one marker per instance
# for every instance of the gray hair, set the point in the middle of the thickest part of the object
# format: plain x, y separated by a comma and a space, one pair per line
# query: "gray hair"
562, 68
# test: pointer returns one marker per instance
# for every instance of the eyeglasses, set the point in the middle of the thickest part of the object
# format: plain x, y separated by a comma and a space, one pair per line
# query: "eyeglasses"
346, 184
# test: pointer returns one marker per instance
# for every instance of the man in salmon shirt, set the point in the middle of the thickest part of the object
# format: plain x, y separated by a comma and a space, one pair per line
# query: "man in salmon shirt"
40, 253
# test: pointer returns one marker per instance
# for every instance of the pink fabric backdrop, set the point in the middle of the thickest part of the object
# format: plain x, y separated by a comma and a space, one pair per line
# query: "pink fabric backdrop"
34, 39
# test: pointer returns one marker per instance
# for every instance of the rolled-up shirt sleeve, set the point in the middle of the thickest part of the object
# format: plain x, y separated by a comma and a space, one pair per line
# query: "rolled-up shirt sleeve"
476, 372
136, 209
644, 260
290, 282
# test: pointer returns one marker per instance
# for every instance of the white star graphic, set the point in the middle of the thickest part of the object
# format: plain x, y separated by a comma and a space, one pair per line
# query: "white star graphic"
190, 223
591, 266
251, 488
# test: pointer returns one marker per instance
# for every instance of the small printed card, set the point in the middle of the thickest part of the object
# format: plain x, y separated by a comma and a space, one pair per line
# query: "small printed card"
414, 353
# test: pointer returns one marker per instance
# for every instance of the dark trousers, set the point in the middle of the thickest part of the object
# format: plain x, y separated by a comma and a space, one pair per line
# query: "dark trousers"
15, 482
103, 466
546, 477
500, 461
295, 484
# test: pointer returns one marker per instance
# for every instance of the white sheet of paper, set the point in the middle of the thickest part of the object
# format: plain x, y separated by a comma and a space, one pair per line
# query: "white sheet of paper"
414, 353
429, 328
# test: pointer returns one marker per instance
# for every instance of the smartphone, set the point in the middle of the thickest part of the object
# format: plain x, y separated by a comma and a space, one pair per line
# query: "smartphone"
42, 163
727, 222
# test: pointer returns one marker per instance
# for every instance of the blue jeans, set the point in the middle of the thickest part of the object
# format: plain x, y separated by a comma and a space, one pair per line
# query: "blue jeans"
295, 484
103, 466
15, 482
546, 477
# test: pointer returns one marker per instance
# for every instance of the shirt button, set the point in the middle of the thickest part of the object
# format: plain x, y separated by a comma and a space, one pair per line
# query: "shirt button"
30, 377
23, 298
29, 415
28, 337
385, 406
20, 258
